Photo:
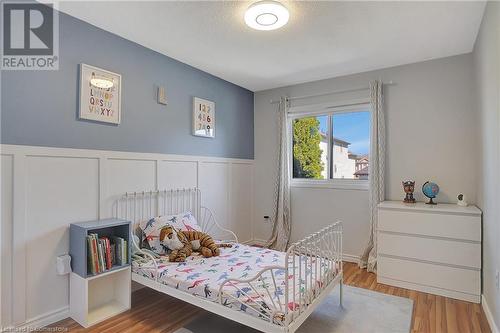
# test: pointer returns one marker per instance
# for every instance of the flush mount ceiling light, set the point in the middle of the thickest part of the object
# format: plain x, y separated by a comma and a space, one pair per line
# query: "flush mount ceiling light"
266, 15
101, 82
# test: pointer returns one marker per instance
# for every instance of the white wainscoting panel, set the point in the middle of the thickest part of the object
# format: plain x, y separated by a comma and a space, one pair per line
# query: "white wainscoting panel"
59, 191
7, 165
241, 194
126, 175
130, 175
177, 174
213, 175
45, 189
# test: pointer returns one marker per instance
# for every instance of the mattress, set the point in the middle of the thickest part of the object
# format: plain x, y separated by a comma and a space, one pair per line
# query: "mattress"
202, 277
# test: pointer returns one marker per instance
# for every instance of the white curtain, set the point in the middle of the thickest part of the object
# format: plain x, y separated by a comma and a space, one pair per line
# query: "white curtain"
377, 169
281, 214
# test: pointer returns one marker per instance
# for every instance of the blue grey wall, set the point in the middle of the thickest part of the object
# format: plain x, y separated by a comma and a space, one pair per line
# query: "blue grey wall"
40, 107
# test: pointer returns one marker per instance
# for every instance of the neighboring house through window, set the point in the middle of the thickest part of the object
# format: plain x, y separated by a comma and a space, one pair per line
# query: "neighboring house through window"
332, 147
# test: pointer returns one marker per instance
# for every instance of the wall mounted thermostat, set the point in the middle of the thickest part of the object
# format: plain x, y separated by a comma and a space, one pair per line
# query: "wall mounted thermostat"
161, 96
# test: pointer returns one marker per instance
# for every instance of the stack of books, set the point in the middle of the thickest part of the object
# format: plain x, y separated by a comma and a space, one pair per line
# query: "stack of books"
105, 252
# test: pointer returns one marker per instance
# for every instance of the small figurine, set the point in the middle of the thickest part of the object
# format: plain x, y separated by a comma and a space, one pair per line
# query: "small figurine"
409, 188
462, 200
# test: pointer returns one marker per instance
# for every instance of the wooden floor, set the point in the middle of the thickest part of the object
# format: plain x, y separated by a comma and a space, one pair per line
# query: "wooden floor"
430, 313
155, 312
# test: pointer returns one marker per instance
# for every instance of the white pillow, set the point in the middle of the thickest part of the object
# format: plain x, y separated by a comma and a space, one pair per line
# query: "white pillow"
151, 228
184, 221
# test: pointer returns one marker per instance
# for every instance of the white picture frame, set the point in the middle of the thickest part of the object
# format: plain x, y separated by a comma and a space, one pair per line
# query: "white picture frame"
99, 104
203, 118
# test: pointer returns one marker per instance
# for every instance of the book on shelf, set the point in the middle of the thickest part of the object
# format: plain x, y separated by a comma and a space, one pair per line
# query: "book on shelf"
105, 252
93, 253
121, 250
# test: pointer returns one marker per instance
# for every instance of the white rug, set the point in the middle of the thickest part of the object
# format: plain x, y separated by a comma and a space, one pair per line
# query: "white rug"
364, 311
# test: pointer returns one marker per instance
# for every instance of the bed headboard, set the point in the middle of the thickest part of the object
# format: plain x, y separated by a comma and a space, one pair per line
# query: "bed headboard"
138, 206
143, 205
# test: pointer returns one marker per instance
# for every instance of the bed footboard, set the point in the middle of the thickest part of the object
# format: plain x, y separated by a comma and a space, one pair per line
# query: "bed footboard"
286, 295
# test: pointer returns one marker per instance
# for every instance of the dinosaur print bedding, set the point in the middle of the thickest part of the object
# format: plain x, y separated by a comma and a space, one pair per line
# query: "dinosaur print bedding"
203, 277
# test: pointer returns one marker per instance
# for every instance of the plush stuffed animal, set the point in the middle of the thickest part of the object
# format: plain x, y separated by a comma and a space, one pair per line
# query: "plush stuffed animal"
183, 243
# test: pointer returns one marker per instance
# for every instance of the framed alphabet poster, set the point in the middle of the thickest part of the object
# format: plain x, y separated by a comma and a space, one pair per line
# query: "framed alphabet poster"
100, 94
203, 118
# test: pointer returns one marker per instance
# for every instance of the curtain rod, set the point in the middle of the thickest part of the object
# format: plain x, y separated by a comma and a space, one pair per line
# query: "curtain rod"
389, 83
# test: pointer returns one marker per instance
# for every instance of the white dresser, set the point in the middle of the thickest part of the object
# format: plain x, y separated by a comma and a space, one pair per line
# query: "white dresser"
434, 249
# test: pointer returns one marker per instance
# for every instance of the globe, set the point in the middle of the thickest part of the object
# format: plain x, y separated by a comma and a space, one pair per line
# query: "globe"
430, 190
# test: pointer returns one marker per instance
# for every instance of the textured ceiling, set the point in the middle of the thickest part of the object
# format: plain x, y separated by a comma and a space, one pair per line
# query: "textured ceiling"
322, 39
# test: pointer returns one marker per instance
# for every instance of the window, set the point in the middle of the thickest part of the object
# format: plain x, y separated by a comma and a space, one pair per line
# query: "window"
310, 147
332, 146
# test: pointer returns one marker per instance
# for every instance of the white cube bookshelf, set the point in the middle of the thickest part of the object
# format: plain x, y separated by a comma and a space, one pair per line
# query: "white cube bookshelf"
99, 297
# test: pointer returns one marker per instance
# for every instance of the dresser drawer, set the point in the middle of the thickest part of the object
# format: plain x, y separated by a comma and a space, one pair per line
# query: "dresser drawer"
466, 227
437, 276
437, 250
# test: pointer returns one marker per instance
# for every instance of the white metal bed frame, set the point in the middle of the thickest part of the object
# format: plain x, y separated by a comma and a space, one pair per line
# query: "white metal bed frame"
285, 314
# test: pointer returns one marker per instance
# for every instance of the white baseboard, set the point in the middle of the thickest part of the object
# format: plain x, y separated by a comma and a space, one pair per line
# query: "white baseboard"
44, 320
489, 315
350, 258
258, 242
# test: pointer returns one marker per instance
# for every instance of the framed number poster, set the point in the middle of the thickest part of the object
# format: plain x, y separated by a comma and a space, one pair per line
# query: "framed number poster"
100, 94
203, 118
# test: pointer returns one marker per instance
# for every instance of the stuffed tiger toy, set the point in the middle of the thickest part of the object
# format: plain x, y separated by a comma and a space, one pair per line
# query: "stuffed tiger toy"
183, 243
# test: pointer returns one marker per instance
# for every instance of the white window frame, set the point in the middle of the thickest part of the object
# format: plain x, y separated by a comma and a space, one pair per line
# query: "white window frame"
325, 110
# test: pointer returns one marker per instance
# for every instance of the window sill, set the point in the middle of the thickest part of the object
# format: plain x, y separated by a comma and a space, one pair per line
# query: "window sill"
359, 185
